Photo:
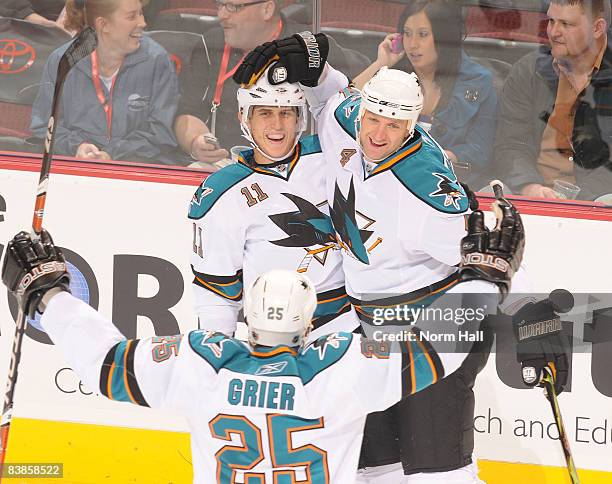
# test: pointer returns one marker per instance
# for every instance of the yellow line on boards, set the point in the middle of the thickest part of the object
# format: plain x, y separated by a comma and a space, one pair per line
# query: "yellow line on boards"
493, 472
93, 454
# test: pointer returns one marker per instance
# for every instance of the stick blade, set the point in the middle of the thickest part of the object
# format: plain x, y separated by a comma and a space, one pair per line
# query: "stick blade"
82, 46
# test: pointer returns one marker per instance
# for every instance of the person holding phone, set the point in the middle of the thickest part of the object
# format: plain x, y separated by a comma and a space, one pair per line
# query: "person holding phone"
460, 102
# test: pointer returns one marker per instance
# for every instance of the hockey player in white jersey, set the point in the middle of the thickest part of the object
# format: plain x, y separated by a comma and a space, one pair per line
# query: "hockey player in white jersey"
265, 212
274, 410
399, 213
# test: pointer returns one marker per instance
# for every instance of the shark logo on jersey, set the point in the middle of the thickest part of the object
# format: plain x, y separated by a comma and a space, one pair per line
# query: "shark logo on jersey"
450, 189
348, 110
271, 368
306, 227
343, 214
321, 345
201, 193
216, 346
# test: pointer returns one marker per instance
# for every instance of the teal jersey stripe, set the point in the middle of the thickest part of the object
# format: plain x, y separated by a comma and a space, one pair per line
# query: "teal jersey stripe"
310, 145
428, 175
330, 307
322, 354
209, 192
347, 112
423, 372
229, 287
223, 352
118, 383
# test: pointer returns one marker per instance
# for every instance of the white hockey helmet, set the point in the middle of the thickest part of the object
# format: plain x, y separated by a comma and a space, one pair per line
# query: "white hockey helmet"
394, 94
278, 308
262, 93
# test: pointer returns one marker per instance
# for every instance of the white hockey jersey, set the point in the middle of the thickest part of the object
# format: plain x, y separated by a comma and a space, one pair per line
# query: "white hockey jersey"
399, 221
248, 219
262, 416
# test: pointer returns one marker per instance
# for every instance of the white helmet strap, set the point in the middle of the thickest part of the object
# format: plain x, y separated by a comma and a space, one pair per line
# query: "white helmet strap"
246, 133
409, 132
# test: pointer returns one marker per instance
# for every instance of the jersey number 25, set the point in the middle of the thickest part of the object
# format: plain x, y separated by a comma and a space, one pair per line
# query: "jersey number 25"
235, 459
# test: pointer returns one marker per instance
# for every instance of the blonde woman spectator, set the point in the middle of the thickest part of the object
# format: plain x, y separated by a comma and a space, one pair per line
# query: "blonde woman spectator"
119, 103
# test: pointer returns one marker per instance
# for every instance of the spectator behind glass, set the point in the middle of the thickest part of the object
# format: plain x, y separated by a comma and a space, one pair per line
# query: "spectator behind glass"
120, 102
555, 109
38, 12
460, 101
243, 26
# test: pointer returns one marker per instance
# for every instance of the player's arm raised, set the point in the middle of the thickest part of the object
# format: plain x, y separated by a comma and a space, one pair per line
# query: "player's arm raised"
35, 272
299, 58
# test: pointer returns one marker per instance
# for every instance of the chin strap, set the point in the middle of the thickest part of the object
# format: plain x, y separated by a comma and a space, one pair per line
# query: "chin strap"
357, 134
246, 133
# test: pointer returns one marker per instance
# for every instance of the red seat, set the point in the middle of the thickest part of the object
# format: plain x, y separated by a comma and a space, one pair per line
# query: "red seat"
198, 7
15, 119
362, 14
518, 25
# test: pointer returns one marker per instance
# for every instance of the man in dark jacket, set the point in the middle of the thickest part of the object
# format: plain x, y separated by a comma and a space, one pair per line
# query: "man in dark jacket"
556, 106
35, 11
243, 26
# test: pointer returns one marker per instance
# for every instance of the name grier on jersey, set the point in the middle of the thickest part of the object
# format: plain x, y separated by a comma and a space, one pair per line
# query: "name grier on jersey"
262, 394
431, 336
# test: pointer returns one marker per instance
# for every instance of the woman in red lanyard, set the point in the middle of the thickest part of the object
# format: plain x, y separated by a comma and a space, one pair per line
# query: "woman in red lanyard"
119, 103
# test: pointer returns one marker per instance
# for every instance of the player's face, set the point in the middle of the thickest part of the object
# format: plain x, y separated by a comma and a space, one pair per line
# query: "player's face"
381, 136
239, 27
570, 31
122, 30
274, 130
419, 42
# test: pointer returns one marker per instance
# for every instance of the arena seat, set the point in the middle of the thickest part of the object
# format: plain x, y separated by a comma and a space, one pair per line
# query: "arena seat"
15, 119
200, 7
179, 45
521, 26
368, 15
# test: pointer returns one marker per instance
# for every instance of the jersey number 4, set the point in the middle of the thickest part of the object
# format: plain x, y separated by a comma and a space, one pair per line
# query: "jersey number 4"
235, 461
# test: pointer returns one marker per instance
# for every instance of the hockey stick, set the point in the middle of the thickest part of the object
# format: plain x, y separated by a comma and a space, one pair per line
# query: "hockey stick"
547, 380
551, 396
303, 267
82, 46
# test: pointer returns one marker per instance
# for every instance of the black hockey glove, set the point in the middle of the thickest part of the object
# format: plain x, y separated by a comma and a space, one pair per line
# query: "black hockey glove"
299, 58
540, 340
590, 150
31, 268
493, 255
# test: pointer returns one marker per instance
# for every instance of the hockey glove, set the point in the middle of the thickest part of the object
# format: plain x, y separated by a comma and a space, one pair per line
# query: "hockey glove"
540, 340
590, 150
493, 255
299, 58
31, 268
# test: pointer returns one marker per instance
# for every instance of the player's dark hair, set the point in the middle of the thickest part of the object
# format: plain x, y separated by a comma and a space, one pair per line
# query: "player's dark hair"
447, 28
595, 8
